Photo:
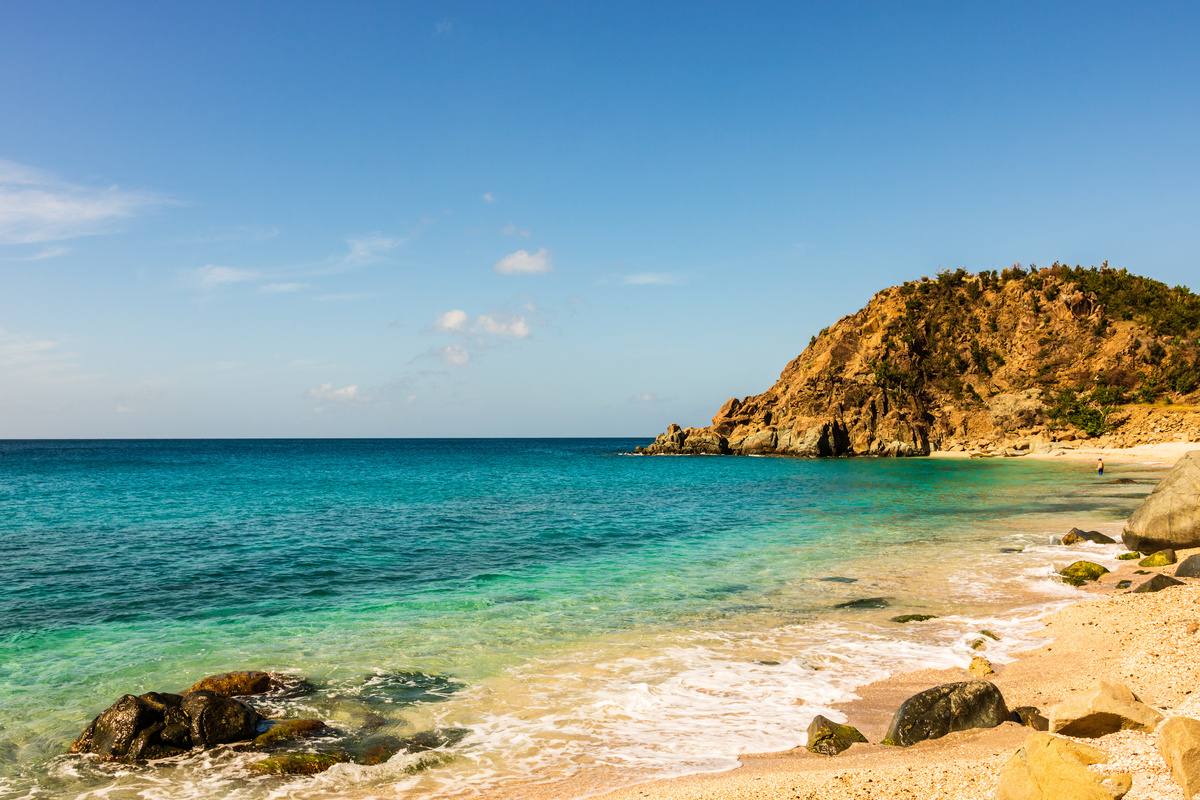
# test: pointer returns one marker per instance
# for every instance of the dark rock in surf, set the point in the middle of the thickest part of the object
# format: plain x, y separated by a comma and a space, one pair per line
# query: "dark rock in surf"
826, 737
133, 728
944, 709
216, 719
913, 617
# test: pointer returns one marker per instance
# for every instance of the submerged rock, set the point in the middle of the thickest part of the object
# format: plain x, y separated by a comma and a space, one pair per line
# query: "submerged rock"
865, 602
944, 709
1103, 709
1158, 583
287, 729
826, 737
1082, 571
913, 617
299, 763
234, 684
1163, 558
1170, 516
1052, 768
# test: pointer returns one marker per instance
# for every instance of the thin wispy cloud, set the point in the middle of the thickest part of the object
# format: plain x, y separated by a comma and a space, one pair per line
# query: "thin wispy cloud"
523, 262
488, 197
212, 276
53, 251
653, 279
454, 354
512, 230
36, 207
282, 288
443, 27
237, 233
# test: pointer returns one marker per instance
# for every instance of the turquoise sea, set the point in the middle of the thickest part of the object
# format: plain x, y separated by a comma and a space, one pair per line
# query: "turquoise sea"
589, 618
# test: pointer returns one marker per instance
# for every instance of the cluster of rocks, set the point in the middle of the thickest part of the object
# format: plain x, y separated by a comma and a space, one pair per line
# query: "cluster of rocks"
209, 714
1046, 767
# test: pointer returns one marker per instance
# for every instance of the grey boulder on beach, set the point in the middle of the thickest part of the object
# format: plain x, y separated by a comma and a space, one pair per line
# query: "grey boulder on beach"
1170, 516
944, 709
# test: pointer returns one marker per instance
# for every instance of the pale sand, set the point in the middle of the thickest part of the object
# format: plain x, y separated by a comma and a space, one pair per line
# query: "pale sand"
1159, 454
1149, 642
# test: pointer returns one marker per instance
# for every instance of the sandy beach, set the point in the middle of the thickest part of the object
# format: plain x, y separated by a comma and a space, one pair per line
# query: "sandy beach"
1148, 642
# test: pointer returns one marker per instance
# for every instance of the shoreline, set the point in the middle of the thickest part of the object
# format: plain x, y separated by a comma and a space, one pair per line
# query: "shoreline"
1148, 642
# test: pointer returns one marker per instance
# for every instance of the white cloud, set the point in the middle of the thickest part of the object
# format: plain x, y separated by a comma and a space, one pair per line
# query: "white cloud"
211, 276
523, 262
454, 354
369, 249
488, 197
127, 409
53, 251
326, 393
282, 288
21, 351
515, 327
451, 322
652, 279
458, 321
511, 230
36, 207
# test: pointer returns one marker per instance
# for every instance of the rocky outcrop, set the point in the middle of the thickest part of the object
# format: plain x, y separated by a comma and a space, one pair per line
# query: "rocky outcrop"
828, 738
1179, 745
1170, 516
1052, 768
944, 709
158, 725
1103, 709
1002, 362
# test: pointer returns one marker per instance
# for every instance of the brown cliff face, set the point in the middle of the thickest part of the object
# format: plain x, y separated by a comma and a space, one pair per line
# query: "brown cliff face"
962, 361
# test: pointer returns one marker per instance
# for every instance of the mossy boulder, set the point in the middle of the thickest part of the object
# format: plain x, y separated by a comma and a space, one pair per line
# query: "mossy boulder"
1082, 571
1129, 556
828, 738
1163, 558
234, 684
914, 617
287, 729
299, 763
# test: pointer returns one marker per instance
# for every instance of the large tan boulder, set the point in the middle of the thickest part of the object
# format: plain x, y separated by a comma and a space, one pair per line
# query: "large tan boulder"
1170, 516
1179, 745
1103, 709
1052, 768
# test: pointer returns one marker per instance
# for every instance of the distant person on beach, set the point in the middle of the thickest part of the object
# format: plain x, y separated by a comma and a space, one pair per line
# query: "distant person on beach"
1099, 466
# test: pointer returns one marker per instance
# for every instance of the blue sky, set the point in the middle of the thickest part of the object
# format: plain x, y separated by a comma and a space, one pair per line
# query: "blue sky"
541, 219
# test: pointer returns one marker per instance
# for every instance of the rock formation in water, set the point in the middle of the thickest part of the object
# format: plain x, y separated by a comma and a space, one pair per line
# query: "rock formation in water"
1003, 361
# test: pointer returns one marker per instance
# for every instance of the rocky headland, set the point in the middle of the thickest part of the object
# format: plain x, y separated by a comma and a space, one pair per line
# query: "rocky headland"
1003, 362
